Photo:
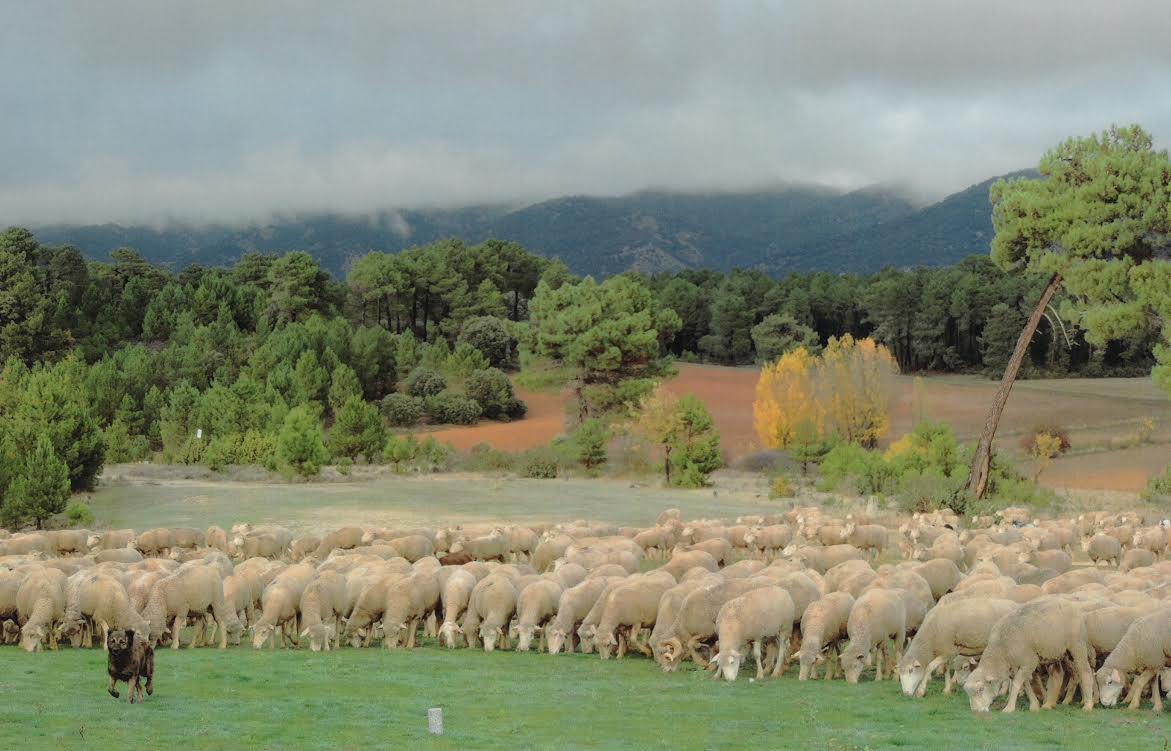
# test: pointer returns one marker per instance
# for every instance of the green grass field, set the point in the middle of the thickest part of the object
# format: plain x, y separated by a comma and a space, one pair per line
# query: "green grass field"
388, 499
371, 698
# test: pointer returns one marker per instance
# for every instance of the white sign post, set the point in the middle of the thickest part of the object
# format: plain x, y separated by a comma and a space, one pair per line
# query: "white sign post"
435, 721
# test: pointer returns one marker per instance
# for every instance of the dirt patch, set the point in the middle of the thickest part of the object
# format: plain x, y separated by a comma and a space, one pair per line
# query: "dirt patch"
544, 421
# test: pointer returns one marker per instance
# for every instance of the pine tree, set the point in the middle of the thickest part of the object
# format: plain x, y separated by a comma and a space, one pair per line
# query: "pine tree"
300, 445
357, 431
40, 488
590, 440
343, 386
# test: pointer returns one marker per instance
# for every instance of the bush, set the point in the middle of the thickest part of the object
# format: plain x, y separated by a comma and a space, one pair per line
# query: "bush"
540, 463
465, 361
590, 441
357, 430
402, 410
123, 447
1158, 487
301, 445
492, 389
484, 458
848, 464
490, 335
345, 466
79, 515
452, 409
780, 487
433, 456
425, 382
930, 492
1029, 441
400, 450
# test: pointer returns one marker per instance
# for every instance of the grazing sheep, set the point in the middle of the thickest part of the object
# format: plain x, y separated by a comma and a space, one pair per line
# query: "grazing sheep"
409, 600
454, 597
491, 608
260, 545
1058, 561
455, 559
548, 550
1038, 632
118, 555
822, 559
759, 616
767, 542
742, 569
196, 591
681, 563
695, 623
878, 616
1103, 547
99, 599
40, 606
116, 538
632, 607
217, 537
281, 605
719, 548
155, 542
413, 547
941, 574
957, 628
491, 547
572, 607
130, 659
186, 537
1136, 558
656, 541
535, 606
343, 539
869, 538
1145, 649
823, 626
323, 604
303, 547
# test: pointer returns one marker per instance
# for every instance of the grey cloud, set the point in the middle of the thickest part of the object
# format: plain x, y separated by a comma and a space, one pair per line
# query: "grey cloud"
229, 110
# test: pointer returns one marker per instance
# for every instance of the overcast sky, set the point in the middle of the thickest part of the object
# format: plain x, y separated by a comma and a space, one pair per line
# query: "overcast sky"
229, 110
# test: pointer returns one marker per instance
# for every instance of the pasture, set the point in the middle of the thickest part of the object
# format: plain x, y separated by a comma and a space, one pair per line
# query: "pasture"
373, 698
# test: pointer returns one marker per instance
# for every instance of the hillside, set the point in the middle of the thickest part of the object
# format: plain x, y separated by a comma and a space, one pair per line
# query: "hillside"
791, 228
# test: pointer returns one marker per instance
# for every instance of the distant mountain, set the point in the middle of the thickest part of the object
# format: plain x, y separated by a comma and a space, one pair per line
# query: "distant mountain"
792, 228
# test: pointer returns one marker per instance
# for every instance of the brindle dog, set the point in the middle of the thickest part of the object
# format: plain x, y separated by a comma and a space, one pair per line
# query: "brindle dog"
130, 659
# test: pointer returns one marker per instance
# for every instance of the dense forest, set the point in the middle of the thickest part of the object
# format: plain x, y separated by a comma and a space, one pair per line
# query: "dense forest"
273, 361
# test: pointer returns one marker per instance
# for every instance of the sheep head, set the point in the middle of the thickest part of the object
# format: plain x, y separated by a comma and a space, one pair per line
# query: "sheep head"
524, 636
260, 634
556, 638
854, 660
671, 654
447, 633
1110, 681
392, 633
490, 635
587, 634
982, 690
728, 662
32, 638
607, 644
912, 676
317, 637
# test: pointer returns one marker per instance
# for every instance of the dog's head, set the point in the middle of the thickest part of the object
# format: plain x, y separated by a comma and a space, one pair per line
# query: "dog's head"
120, 640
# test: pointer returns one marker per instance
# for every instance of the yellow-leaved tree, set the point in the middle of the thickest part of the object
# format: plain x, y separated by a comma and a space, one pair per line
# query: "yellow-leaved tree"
845, 391
784, 398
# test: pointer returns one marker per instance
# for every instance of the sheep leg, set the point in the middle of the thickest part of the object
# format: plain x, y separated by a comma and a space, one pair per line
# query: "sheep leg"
781, 664
176, 628
756, 652
879, 651
1053, 686
412, 627
1031, 688
1018, 682
1081, 665
621, 643
1140, 685
112, 689
1156, 695
696, 656
921, 689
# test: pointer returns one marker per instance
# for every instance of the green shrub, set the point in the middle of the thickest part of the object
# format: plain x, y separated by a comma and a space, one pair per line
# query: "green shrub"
540, 463
590, 441
465, 361
434, 456
425, 382
491, 336
79, 515
122, 447
492, 389
780, 487
484, 458
1158, 487
301, 445
452, 409
849, 466
400, 450
402, 410
345, 466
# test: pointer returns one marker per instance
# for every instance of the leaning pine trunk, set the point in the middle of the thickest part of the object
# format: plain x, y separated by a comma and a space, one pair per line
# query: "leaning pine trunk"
982, 461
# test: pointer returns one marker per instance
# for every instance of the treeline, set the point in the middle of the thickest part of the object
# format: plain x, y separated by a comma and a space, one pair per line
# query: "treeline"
963, 318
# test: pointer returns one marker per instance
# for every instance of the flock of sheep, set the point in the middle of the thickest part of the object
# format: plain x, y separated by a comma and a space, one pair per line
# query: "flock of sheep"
998, 607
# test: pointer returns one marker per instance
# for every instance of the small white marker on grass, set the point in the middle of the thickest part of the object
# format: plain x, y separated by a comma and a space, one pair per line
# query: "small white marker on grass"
435, 721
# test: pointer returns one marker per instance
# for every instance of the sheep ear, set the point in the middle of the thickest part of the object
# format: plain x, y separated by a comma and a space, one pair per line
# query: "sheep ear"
1116, 676
916, 664
305, 632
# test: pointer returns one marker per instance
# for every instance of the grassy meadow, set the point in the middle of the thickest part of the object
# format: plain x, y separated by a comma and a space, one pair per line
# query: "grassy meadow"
372, 698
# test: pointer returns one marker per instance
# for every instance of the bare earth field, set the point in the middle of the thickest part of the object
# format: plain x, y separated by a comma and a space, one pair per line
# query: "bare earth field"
1101, 415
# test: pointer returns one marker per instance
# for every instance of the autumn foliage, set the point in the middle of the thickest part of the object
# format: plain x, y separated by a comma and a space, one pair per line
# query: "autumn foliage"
844, 391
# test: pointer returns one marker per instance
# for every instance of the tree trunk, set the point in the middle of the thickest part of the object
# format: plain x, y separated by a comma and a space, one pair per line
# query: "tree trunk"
667, 463
982, 461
